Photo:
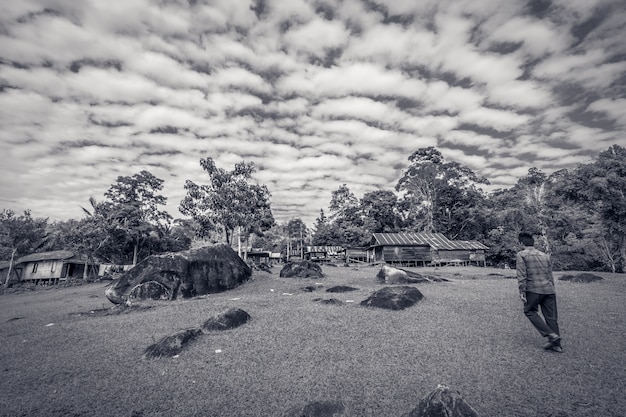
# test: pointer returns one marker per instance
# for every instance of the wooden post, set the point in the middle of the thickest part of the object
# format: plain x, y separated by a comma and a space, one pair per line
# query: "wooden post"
6, 282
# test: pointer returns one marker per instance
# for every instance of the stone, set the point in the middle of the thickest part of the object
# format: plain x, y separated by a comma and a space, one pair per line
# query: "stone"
329, 301
391, 275
188, 273
231, 318
149, 290
341, 288
583, 277
171, 346
317, 409
443, 402
393, 298
302, 269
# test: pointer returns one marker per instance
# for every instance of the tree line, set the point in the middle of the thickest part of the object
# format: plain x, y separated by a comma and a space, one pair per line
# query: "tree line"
578, 215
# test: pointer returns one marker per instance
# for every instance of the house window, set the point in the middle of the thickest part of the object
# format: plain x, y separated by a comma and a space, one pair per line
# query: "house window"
53, 267
35, 265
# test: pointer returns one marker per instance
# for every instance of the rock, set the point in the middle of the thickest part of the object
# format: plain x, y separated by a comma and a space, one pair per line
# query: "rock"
329, 301
393, 298
231, 318
260, 266
584, 277
149, 290
341, 288
171, 346
188, 273
391, 275
303, 269
317, 409
443, 402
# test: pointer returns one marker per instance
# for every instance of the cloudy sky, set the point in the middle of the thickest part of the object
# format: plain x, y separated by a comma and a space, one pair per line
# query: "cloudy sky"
317, 93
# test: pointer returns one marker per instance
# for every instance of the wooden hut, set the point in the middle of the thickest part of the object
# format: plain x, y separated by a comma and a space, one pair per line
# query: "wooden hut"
414, 249
409, 249
259, 256
355, 254
316, 254
52, 267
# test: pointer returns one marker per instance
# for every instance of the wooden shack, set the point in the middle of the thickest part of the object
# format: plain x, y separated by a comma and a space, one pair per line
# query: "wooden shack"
407, 249
316, 254
355, 254
52, 267
259, 256
421, 249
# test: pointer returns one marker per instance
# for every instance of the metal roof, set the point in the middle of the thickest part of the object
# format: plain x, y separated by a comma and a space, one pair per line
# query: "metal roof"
435, 240
46, 256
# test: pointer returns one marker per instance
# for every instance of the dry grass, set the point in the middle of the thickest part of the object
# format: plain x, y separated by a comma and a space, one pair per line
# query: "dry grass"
469, 333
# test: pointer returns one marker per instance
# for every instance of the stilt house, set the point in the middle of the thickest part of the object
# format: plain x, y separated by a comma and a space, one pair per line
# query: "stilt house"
421, 249
51, 267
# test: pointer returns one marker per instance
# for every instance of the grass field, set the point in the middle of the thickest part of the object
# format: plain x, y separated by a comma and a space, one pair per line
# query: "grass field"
57, 358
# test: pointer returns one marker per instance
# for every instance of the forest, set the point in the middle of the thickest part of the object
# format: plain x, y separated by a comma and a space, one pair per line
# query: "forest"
577, 215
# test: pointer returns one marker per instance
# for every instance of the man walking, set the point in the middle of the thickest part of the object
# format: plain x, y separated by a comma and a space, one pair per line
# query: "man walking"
536, 289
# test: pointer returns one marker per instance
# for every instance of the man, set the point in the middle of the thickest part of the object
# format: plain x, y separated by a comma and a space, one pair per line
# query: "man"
536, 289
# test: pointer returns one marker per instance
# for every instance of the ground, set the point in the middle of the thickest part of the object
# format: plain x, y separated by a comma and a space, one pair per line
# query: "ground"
60, 357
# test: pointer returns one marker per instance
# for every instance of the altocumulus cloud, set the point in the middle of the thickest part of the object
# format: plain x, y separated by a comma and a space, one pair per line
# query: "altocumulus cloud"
317, 93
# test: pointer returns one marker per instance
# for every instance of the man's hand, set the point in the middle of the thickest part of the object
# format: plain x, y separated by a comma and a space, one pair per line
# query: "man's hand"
522, 295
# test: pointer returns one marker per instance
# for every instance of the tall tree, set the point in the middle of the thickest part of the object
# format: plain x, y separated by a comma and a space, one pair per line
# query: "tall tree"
380, 211
134, 208
344, 205
425, 182
600, 186
230, 200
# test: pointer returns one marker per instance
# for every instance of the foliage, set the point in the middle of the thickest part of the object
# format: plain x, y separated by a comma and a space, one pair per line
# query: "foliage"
434, 191
20, 235
600, 187
133, 209
230, 200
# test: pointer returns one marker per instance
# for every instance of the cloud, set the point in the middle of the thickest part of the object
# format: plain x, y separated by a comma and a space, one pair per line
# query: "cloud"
316, 93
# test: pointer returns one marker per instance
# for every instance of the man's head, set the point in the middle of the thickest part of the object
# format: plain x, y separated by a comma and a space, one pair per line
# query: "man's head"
526, 239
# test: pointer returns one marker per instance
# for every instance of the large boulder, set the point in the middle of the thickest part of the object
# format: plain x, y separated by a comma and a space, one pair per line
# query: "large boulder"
391, 275
393, 298
443, 402
188, 273
303, 269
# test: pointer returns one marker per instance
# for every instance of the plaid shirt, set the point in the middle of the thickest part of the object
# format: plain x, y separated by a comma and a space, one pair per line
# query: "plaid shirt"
534, 272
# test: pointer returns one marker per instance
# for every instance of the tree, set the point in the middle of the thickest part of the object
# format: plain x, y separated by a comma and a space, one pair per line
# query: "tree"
344, 205
296, 234
380, 211
133, 208
20, 236
426, 181
600, 187
229, 201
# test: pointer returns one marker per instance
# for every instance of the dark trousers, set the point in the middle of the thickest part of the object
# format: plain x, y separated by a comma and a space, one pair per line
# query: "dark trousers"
547, 302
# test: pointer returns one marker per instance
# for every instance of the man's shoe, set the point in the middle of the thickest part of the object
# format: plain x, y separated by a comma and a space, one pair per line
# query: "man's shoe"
553, 340
557, 349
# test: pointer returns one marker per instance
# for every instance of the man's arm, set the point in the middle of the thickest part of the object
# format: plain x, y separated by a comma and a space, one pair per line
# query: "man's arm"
521, 276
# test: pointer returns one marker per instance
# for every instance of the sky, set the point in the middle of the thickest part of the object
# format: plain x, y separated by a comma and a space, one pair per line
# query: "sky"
315, 93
